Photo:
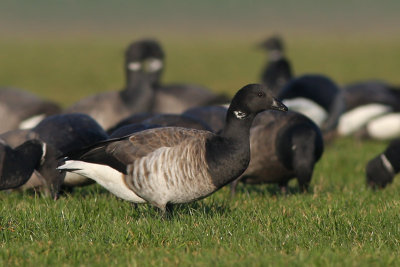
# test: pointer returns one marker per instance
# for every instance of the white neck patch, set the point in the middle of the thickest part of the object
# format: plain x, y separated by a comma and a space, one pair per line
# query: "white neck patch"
42, 159
154, 64
240, 114
387, 164
134, 66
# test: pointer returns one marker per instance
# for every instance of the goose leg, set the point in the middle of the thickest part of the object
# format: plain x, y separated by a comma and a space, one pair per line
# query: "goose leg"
233, 187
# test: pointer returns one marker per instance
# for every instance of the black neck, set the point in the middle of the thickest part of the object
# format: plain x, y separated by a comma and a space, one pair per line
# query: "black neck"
228, 154
138, 92
135, 78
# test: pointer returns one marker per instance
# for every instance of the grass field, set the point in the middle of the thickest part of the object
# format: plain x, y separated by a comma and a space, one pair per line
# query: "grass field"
340, 222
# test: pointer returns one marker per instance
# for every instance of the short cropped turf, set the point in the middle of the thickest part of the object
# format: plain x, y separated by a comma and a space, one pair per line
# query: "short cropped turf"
339, 222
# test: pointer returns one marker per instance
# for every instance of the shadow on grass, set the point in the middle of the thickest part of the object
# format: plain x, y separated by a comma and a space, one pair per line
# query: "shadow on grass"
176, 211
269, 190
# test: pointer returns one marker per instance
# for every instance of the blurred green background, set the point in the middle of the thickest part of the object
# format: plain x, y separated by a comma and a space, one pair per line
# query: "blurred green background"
65, 50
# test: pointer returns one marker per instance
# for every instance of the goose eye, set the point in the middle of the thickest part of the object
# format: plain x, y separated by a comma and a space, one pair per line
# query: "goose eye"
260, 94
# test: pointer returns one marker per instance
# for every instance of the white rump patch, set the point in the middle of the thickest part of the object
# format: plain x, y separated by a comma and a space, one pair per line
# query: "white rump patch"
385, 127
74, 179
31, 122
308, 108
134, 66
107, 177
356, 118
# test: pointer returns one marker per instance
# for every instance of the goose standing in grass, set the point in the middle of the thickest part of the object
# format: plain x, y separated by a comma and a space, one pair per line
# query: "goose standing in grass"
22, 110
18, 164
283, 146
60, 133
382, 169
109, 108
175, 165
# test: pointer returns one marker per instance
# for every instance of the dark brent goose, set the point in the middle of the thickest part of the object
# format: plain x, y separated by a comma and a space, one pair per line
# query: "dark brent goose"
175, 165
368, 92
21, 110
61, 133
383, 168
283, 146
319, 91
369, 110
214, 116
277, 71
132, 119
109, 108
131, 129
315, 96
171, 98
161, 120
18, 164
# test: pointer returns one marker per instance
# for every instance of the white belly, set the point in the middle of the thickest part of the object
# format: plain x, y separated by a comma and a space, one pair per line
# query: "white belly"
170, 175
74, 179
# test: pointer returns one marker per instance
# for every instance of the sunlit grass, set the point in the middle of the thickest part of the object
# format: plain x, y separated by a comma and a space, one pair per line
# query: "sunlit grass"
340, 222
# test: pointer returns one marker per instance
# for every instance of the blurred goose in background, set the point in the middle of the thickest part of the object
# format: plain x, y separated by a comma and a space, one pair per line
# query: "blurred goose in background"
372, 110
18, 164
313, 95
170, 98
60, 133
175, 165
277, 71
317, 97
132, 119
283, 146
162, 120
214, 116
109, 108
382, 169
21, 110
371, 92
